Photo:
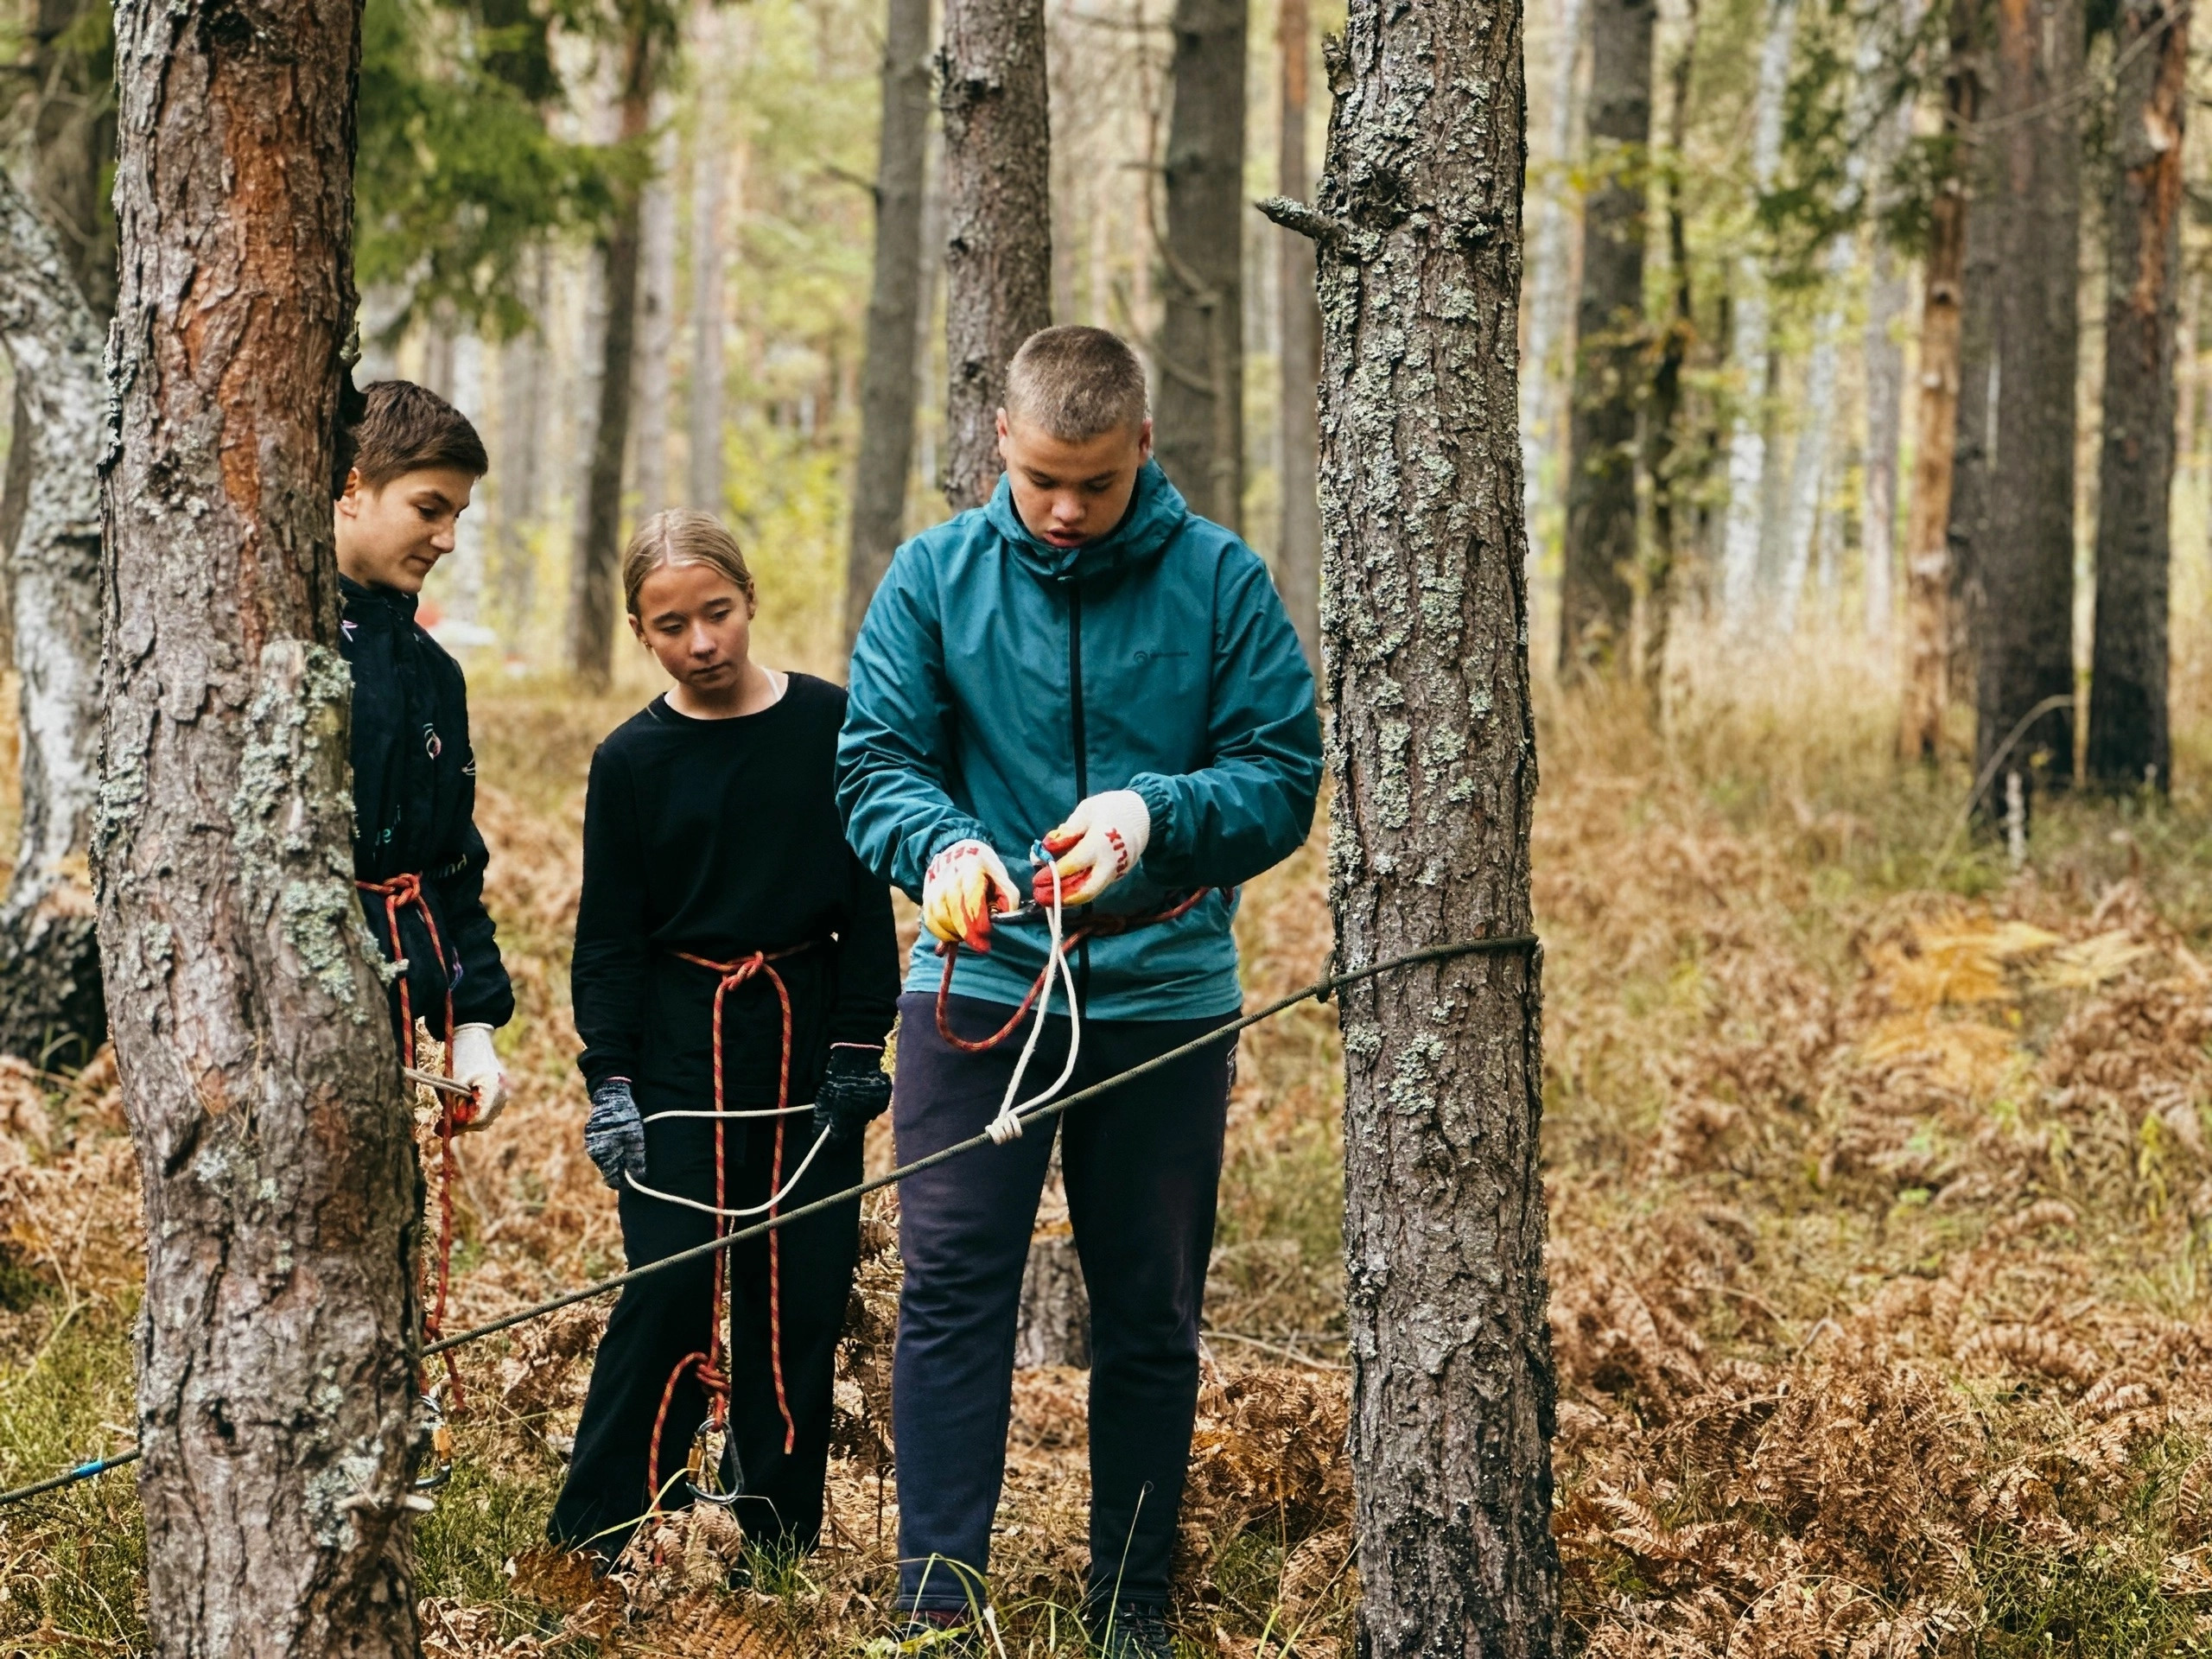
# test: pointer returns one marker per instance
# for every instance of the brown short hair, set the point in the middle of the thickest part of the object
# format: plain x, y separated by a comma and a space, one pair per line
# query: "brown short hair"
1076, 383
681, 536
404, 428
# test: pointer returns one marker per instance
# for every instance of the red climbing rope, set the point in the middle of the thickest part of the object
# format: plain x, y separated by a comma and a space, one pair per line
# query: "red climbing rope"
708, 1366
399, 893
1102, 926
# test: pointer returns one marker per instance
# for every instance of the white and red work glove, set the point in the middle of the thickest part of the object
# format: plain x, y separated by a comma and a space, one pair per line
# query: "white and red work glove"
475, 1065
1099, 844
963, 887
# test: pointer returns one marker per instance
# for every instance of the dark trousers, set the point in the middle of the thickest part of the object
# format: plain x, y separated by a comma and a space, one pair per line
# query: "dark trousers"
661, 1319
1141, 1164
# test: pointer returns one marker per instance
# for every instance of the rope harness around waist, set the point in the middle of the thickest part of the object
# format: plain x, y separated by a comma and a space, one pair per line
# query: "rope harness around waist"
707, 1364
399, 893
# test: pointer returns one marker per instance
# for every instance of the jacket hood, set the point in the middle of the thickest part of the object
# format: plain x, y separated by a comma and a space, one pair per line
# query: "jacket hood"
1157, 511
365, 599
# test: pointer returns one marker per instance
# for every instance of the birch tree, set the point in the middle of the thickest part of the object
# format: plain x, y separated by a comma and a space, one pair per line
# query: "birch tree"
2131, 743
49, 951
277, 1347
1751, 344
1549, 264
1433, 748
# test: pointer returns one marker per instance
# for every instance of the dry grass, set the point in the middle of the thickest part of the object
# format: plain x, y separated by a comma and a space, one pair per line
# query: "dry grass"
1878, 1177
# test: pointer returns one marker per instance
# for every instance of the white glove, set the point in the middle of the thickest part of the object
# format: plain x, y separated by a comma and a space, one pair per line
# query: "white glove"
965, 884
1099, 844
474, 1064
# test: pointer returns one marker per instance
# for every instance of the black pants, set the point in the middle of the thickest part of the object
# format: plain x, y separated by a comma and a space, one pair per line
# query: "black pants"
1141, 1164
660, 1320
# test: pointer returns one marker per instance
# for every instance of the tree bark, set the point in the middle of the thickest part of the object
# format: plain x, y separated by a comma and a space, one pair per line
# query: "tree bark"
1751, 349
999, 221
1976, 446
599, 546
1938, 419
50, 949
1597, 592
2130, 738
1883, 357
894, 316
1433, 750
278, 1347
2025, 648
1201, 352
1298, 557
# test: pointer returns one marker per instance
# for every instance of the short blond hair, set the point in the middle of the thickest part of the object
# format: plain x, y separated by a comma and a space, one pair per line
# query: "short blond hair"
680, 536
1076, 384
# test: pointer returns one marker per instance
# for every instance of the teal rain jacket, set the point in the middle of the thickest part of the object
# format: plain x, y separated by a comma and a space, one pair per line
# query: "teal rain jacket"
998, 680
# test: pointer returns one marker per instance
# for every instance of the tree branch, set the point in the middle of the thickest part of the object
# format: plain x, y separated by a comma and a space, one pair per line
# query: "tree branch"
1307, 220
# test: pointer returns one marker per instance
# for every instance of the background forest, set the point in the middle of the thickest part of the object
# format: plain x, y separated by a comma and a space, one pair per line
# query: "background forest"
1878, 1035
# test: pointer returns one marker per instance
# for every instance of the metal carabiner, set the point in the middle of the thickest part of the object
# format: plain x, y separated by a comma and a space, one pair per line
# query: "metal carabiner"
702, 1470
441, 1447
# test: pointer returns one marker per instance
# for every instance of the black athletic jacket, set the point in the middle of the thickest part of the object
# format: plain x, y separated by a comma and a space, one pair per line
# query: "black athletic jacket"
415, 808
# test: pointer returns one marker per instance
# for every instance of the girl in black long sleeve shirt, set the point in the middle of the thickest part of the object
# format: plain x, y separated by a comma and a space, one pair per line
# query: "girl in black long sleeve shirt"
710, 841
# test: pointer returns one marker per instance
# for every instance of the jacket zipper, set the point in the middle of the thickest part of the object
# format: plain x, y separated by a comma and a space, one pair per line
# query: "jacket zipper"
1081, 762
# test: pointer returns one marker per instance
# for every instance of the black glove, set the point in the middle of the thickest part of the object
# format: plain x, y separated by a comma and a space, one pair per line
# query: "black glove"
853, 1093
614, 1135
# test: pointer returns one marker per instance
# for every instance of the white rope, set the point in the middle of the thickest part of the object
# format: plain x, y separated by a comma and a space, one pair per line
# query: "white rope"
774, 1199
1006, 1126
764, 1111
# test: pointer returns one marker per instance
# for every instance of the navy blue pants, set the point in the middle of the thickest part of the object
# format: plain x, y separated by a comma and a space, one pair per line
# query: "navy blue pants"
1141, 1165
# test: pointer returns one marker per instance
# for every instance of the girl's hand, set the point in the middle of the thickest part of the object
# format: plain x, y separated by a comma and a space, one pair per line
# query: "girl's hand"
853, 1095
614, 1135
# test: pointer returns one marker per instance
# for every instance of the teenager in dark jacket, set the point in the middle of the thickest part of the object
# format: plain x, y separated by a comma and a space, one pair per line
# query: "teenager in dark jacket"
717, 886
418, 861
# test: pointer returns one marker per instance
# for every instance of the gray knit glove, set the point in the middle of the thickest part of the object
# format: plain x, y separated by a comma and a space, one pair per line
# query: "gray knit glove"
614, 1135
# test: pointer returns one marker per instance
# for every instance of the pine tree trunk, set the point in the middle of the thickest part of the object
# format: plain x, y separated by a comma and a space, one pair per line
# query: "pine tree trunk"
1298, 557
1549, 267
1425, 614
53, 1012
1597, 594
599, 545
1199, 420
1662, 436
887, 385
710, 160
1968, 527
2130, 739
2023, 653
277, 1348
999, 221
1751, 348
1939, 421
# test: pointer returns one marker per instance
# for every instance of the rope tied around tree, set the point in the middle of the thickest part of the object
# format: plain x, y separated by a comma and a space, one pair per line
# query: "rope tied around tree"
1323, 989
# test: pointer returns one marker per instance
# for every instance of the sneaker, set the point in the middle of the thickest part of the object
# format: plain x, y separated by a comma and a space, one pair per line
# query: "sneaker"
941, 1633
1133, 1632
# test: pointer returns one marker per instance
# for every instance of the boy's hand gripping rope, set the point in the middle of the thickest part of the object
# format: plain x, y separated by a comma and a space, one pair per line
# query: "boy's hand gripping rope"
1332, 981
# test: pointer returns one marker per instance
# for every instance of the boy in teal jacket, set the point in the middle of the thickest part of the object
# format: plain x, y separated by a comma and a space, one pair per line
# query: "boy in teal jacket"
1086, 664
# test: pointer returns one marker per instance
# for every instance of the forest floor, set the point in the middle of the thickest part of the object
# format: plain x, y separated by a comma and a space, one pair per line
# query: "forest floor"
1879, 1186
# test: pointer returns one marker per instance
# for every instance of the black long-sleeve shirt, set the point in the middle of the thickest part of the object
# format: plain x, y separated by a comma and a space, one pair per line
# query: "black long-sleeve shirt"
415, 808
716, 838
